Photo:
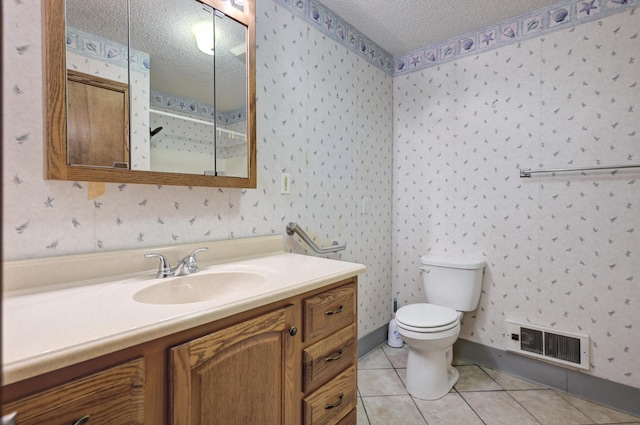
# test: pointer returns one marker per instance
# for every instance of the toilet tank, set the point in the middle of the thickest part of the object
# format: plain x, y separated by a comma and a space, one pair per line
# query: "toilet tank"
451, 281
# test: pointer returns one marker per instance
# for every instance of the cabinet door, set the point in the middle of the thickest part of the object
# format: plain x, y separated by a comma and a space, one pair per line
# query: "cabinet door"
242, 374
112, 397
98, 120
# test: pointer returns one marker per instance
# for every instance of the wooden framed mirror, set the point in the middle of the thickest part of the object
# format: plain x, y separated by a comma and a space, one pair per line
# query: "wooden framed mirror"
125, 105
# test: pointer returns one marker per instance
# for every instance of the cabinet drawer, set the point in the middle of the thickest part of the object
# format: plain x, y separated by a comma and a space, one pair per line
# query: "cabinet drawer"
331, 402
111, 397
350, 419
328, 356
327, 312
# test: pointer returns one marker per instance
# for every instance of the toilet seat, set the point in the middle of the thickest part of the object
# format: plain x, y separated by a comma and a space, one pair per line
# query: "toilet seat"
427, 318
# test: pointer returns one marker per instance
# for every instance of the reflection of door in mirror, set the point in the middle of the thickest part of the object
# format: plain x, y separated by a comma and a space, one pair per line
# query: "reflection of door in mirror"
98, 92
98, 121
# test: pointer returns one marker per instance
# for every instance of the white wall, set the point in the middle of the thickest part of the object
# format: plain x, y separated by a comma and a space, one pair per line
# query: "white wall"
562, 251
324, 116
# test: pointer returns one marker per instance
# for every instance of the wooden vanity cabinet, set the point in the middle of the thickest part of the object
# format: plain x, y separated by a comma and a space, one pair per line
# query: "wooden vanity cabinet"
113, 396
292, 362
295, 365
330, 357
242, 374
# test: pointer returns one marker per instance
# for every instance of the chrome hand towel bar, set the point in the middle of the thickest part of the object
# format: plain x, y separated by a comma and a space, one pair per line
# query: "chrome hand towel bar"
526, 172
294, 228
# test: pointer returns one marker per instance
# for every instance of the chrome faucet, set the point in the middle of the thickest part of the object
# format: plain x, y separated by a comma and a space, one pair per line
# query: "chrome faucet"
187, 265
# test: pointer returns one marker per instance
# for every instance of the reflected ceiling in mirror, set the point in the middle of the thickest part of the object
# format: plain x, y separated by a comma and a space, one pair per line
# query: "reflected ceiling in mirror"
191, 112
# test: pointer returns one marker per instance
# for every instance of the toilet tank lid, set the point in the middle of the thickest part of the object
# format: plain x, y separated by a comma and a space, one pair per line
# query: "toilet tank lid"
452, 262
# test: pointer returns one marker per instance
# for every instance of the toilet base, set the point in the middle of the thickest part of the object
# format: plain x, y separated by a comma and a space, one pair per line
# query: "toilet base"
430, 375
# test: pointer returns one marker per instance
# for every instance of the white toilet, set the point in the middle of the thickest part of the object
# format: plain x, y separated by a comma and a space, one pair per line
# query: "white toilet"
452, 286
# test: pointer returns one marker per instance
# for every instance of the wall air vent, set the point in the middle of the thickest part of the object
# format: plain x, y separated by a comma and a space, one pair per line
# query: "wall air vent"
563, 348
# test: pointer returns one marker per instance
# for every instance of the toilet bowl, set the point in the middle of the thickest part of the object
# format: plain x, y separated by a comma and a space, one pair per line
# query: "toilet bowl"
430, 374
430, 329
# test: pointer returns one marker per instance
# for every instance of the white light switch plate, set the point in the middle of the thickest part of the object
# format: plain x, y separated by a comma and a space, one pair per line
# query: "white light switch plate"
365, 206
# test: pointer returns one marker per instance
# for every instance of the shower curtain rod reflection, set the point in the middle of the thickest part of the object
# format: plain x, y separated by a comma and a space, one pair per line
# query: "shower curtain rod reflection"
182, 117
527, 172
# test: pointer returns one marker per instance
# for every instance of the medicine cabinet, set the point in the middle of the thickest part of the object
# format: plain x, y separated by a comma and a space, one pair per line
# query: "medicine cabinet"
150, 91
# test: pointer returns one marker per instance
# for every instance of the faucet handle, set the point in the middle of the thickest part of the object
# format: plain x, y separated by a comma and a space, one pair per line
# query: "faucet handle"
165, 265
190, 262
193, 254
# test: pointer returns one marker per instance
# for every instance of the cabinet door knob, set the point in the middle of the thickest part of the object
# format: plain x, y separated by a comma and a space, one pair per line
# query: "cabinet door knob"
83, 420
333, 359
293, 331
336, 404
332, 312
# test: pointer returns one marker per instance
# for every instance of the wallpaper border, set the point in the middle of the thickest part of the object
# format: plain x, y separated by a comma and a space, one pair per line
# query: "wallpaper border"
183, 105
332, 25
562, 15
96, 47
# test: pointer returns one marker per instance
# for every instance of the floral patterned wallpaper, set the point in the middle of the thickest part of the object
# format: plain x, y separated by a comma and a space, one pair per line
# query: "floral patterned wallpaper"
562, 250
324, 116
177, 134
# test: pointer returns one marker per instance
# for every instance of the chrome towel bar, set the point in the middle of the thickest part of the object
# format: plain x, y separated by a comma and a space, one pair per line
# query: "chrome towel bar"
527, 172
294, 228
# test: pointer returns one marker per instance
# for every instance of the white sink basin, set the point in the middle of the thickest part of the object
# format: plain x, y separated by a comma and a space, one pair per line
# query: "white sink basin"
200, 287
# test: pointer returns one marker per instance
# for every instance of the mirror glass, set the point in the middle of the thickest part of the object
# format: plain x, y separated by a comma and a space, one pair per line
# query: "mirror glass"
97, 83
231, 95
162, 88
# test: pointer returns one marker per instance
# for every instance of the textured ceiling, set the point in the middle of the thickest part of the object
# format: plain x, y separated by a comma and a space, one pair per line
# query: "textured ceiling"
164, 30
403, 26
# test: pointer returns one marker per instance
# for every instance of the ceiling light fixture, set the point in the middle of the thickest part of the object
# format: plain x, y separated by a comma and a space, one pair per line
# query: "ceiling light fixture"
204, 37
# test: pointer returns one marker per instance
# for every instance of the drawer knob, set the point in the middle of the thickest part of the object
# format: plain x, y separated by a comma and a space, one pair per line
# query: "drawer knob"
332, 312
333, 359
293, 331
83, 420
336, 404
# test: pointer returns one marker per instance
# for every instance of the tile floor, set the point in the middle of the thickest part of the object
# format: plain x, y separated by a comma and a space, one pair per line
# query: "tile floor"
481, 396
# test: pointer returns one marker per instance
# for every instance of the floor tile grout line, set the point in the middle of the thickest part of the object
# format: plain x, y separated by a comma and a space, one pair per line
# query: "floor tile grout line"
554, 390
508, 391
583, 412
491, 377
405, 387
470, 407
525, 409
410, 396
453, 388
413, 400
365, 411
502, 387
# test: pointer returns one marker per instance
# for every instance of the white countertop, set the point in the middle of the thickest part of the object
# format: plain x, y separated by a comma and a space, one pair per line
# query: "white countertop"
47, 330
